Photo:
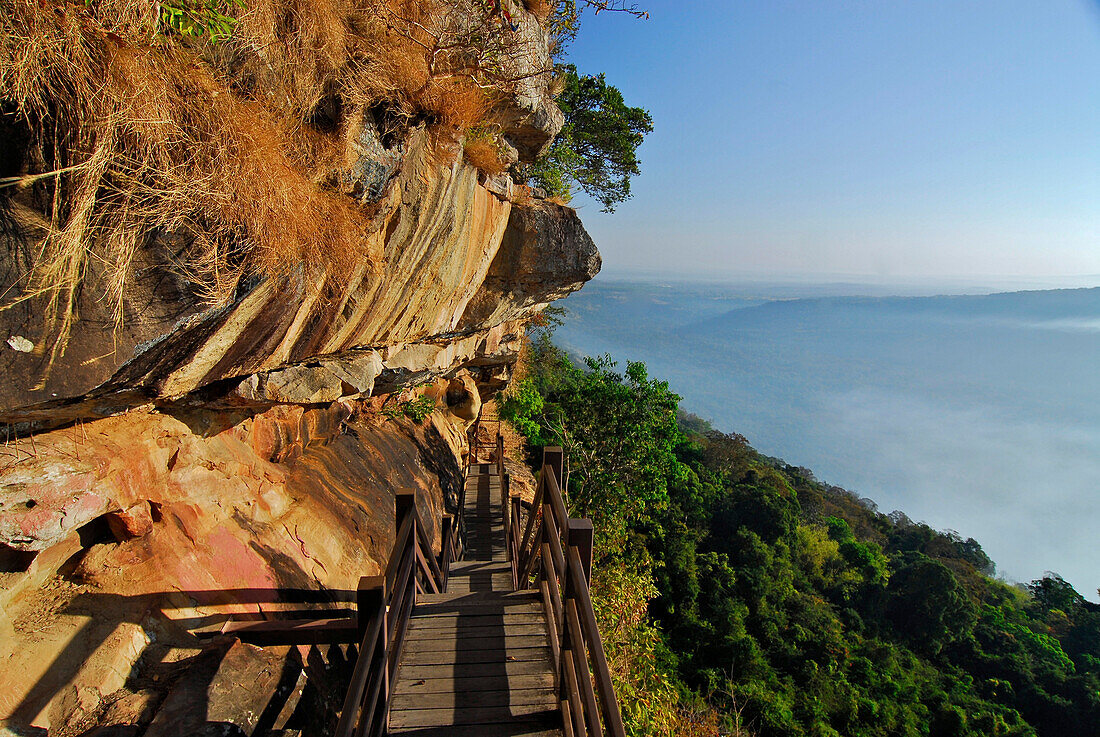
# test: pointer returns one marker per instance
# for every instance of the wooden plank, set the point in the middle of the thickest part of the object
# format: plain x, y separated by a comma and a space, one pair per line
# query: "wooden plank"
489, 563
474, 684
493, 585
475, 715
468, 606
475, 564
500, 620
474, 575
475, 608
451, 642
502, 672
517, 728
294, 631
475, 599
494, 560
498, 583
465, 657
488, 596
514, 697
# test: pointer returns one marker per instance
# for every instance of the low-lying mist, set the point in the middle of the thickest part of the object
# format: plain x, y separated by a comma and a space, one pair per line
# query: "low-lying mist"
979, 414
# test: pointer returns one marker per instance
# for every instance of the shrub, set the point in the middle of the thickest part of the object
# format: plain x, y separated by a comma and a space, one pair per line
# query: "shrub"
202, 18
417, 410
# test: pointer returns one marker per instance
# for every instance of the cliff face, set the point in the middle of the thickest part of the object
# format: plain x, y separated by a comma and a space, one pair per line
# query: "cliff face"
238, 457
463, 268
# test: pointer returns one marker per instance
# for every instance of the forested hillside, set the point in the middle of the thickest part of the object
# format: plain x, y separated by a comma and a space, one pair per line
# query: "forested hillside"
739, 594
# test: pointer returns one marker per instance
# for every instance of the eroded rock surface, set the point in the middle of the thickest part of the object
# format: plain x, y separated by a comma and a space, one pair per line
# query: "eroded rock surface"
464, 268
545, 254
126, 537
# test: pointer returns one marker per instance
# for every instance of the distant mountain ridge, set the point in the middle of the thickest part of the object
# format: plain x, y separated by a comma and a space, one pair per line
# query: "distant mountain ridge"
1042, 305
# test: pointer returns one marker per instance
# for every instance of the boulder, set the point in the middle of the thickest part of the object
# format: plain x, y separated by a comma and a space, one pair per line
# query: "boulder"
136, 521
235, 690
545, 254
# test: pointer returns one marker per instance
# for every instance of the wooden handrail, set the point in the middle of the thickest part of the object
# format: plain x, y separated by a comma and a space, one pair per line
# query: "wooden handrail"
385, 606
558, 548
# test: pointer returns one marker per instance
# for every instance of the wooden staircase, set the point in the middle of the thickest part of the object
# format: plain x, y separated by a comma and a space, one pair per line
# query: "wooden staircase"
493, 635
476, 659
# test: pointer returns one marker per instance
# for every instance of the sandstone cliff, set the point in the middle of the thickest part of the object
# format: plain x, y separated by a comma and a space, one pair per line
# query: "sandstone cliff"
175, 457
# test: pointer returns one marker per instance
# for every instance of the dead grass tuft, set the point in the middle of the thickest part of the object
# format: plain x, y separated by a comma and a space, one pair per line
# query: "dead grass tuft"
152, 142
458, 102
483, 152
541, 9
237, 149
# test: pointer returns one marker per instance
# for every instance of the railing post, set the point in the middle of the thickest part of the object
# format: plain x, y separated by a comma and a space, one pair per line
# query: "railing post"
580, 537
370, 597
554, 457
474, 442
404, 501
506, 510
514, 540
370, 602
404, 504
446, 548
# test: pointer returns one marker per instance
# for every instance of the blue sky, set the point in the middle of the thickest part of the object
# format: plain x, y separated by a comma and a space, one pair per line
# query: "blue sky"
884, 139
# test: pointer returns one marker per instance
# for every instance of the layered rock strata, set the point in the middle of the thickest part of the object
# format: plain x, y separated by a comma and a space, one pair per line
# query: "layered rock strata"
240, 461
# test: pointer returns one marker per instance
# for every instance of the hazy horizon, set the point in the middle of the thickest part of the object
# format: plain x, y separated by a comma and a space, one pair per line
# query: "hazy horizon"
915, 285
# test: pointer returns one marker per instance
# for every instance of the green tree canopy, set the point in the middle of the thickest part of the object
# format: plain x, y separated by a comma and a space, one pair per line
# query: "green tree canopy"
597, 147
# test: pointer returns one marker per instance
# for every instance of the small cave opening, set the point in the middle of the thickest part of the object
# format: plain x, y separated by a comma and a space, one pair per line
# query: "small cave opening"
391, 122
95, 532
15, 561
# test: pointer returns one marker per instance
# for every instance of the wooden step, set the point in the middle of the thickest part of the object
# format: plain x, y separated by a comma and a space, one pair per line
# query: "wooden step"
515, 697
518, 728
472, 684
543, 712
455, 654
479, 600
476, 658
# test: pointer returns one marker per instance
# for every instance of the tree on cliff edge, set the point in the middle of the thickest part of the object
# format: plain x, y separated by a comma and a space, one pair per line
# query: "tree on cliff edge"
597, 147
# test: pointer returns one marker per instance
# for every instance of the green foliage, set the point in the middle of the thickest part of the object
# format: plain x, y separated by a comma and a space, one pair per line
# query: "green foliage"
927, 605
640, 662
597, 147
792, 607
521, 407
417, 410
618, 430
198, 18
